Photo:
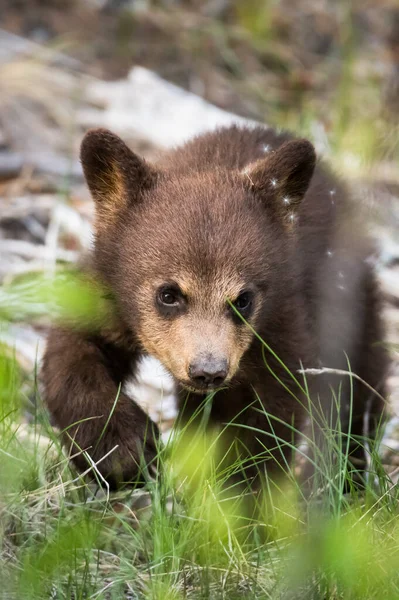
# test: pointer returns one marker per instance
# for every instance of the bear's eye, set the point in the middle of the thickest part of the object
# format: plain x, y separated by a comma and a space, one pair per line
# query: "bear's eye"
170, 299
243, 303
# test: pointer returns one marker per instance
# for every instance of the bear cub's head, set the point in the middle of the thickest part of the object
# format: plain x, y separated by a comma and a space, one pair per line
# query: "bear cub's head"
192, 253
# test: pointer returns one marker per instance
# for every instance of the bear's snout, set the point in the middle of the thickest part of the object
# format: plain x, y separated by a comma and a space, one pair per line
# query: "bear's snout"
208, 371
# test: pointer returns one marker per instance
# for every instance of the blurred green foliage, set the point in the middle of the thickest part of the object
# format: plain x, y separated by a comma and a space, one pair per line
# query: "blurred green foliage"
68, 297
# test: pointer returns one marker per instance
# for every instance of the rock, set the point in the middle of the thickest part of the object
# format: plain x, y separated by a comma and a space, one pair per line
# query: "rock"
13, 46
130, 105
389, 281
11, 164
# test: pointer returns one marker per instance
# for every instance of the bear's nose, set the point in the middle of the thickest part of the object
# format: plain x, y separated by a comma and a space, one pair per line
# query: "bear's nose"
208, 371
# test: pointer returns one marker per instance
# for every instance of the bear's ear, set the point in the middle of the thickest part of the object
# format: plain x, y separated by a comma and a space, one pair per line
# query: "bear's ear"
284, 176
114, 174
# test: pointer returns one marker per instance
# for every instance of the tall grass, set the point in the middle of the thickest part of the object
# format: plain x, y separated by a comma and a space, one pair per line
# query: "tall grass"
188, 534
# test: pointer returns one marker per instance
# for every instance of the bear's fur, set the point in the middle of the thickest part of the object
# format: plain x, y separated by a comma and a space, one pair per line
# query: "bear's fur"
238, 213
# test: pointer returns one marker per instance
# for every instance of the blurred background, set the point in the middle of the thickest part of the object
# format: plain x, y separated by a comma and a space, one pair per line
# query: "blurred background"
157, 72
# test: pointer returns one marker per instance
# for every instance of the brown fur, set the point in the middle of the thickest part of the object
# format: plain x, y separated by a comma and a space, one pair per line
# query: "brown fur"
232, 210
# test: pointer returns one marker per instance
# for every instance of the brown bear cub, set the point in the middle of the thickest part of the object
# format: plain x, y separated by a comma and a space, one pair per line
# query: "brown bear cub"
235, 262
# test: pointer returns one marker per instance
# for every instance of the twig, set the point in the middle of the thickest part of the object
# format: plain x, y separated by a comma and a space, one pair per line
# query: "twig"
22, 206
29, 250
94, 466
328, 371
91, 468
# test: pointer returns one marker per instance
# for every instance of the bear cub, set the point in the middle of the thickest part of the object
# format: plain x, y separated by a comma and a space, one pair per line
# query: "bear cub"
235, 262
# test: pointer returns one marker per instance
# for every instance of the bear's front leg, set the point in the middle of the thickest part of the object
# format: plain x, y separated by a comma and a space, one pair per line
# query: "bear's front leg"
82, 376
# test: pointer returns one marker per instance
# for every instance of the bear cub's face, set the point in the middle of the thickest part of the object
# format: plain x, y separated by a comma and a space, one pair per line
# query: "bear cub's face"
193, 257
